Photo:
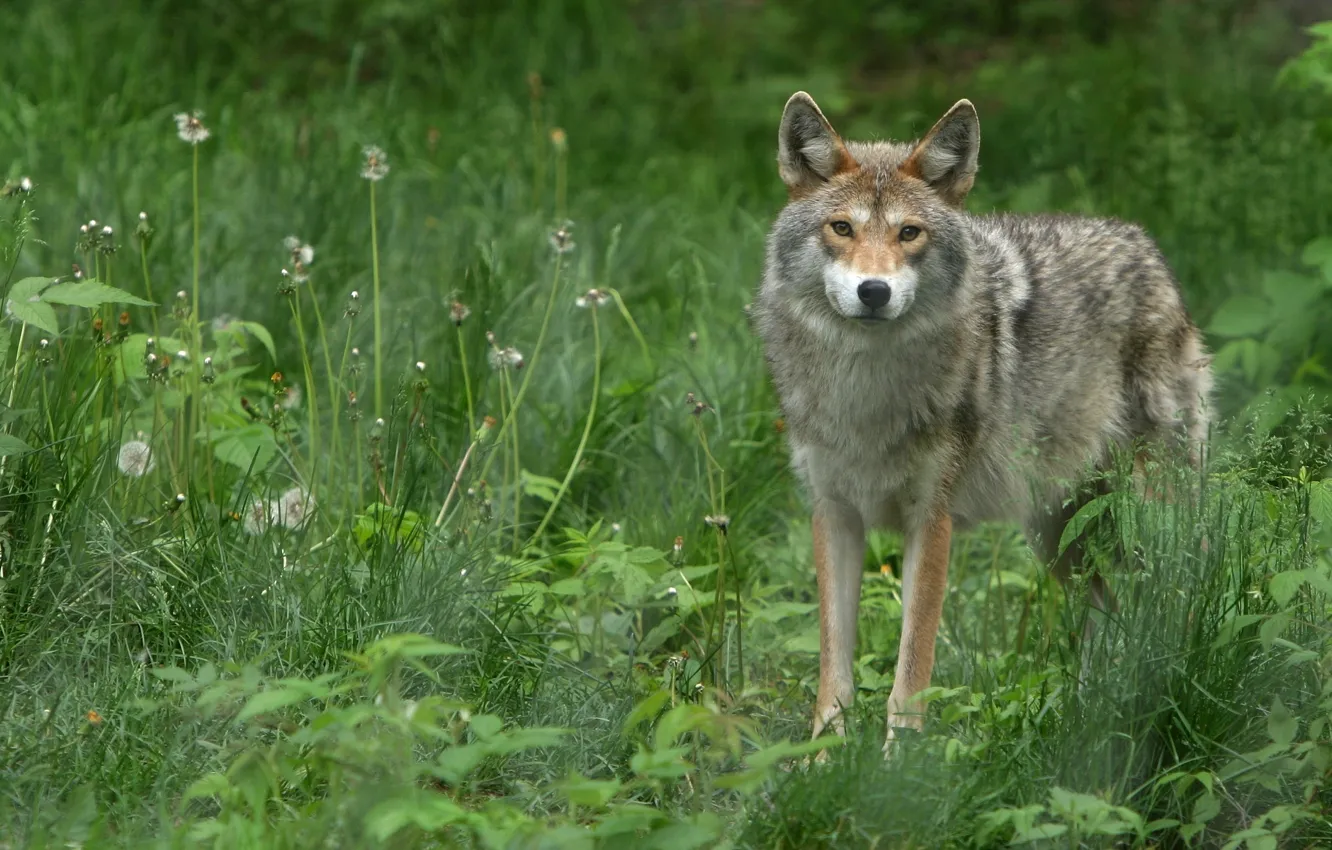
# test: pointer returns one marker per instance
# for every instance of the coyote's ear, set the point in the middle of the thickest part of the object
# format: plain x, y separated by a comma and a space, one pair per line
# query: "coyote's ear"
809, 151
946, 157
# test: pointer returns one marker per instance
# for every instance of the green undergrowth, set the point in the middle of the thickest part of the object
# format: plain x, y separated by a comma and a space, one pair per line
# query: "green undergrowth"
386, 459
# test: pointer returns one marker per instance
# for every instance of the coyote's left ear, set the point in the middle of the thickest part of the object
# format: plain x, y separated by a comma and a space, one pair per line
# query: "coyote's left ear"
809, 151
946, 157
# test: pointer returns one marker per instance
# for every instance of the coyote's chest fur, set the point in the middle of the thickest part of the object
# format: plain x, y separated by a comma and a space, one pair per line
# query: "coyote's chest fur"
880, 428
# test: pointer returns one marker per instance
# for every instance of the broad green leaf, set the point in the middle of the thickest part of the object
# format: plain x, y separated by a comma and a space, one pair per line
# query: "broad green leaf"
1273, 627
172, 674
1242, 315
11, 445
262, 334
1206, 807
271, 700
1039, 832
1283, 586
90, 293
524, 738
646, 709
486, 726
1080, 520
700, 830
539, 486
244, 446
422, 809
455, 763
1320, 502
1319, 253
207, 786
1281, 724
595, 793
1232, 627
568, 587
668, 764
1290, 292
25, 305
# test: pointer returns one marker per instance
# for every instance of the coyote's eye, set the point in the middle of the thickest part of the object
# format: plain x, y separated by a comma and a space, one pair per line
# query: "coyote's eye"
908, 233
841, 228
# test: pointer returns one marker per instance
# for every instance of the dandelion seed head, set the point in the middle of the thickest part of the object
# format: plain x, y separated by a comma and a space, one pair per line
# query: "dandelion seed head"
721, 521
182, 294
503, 358
375, 166
257, 515
107, 231
459, 312
291, 398
420, 365
208, 361
561, 239
190, 127
143, 216
136, 459
355, 295
293, 508
592, 298
83, 228
379, 423
92, 224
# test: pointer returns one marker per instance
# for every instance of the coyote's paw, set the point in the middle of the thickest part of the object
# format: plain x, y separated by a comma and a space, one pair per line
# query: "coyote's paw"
900, 725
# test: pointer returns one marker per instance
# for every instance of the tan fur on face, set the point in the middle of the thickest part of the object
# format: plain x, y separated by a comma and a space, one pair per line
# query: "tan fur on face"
875, 247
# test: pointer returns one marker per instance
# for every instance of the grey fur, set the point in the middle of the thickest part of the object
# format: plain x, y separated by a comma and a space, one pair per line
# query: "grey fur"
1062, 334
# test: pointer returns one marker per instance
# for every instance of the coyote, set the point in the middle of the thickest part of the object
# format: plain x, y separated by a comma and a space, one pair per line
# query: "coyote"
937, 369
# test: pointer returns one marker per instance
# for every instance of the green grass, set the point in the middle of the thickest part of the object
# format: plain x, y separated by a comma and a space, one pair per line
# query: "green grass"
246, 688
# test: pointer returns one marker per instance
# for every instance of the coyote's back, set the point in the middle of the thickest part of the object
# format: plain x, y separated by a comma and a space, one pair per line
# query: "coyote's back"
936, 367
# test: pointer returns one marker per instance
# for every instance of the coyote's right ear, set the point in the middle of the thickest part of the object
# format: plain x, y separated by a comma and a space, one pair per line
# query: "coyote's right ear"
809, 151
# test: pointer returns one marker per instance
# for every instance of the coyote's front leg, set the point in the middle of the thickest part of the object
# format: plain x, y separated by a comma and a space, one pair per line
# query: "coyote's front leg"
924, 583
839, 553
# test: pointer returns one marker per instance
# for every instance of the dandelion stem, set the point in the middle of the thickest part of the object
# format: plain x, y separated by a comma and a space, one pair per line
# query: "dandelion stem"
517, 465
587, 428
148, 284
332, 377
467, 383
312, 405
197, 336
379, 327
536, 353
457, 477
633, 326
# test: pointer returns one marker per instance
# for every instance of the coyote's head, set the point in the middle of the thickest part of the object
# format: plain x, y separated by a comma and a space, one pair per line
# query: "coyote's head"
874, 228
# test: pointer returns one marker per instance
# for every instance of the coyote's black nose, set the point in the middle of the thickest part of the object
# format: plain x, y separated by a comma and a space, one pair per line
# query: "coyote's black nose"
874, 293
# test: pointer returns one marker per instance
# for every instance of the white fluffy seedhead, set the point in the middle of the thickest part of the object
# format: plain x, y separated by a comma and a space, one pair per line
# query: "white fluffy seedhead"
809, 151
947, 157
